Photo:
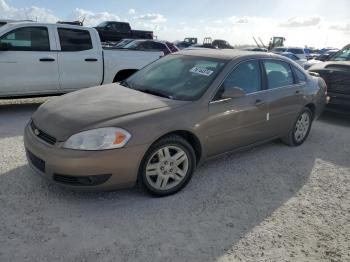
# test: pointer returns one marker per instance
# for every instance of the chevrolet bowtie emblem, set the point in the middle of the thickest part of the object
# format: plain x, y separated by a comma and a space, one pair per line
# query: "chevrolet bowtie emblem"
36, 132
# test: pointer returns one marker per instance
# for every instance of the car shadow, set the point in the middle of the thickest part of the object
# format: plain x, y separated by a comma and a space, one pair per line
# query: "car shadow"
226, 199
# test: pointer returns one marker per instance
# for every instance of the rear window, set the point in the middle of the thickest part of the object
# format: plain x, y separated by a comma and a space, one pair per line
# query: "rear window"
74, 40
278, 74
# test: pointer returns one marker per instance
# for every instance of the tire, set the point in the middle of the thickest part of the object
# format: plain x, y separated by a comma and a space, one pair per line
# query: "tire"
167, 166
300, 130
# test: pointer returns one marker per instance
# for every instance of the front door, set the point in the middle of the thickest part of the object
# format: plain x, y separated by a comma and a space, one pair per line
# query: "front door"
27, 64
238, 122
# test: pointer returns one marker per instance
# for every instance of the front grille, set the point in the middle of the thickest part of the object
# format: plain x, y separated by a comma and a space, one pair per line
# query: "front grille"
81, 180
36, 161
42, 135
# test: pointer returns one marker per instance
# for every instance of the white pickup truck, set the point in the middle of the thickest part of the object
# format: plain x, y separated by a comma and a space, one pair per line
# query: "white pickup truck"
44, 59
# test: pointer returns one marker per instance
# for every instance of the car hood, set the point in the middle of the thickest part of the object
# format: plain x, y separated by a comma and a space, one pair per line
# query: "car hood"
331, 65
66, 115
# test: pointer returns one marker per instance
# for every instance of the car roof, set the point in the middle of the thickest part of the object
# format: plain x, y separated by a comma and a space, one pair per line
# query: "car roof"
228, 54
32, 23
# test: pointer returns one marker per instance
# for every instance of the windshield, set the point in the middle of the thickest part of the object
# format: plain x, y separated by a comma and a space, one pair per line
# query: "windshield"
132, 45
342, 55
178, 77
123, 43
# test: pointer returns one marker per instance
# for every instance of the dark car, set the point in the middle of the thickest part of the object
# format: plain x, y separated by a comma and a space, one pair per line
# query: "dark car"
222, 44
154, 45
336, 73
111, 31
189, 41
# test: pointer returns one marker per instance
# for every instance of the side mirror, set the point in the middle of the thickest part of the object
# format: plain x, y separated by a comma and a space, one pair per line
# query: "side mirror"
233, 92
4, 46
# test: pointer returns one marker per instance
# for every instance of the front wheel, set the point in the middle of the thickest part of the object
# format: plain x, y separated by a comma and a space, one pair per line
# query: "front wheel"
301, 129
167, 166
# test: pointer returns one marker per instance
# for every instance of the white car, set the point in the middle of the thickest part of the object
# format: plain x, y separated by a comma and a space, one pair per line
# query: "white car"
44, 59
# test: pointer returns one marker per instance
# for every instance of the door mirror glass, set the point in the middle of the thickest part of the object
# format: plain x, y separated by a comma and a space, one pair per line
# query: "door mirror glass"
233, 92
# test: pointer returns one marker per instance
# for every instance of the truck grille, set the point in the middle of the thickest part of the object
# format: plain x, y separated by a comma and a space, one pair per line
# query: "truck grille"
42, 135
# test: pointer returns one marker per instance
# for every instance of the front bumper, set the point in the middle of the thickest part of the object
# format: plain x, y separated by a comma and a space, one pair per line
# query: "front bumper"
106, 170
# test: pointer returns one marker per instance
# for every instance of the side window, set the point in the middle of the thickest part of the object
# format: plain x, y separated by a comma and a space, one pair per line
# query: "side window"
160, 47
27, 39
300, 76
246, 76
278, 74
74, 39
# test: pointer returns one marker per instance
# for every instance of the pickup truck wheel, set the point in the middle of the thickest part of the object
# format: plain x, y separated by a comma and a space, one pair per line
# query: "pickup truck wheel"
300, 130
167, 166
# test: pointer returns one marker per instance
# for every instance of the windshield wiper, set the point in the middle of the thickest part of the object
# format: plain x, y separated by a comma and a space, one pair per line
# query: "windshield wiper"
156, 93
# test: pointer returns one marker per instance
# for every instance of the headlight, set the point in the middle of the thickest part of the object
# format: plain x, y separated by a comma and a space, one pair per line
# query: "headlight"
98, 139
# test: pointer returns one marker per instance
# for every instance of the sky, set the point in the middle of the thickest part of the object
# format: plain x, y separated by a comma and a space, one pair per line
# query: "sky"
315, 23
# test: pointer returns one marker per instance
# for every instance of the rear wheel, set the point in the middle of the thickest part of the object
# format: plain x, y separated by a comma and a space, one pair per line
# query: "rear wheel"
167, 166
301, 129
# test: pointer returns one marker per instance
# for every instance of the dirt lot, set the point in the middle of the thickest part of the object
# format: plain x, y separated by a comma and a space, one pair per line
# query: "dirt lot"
271, 203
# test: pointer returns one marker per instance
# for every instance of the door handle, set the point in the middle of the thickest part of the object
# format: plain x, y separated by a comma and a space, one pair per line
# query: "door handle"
47, 59
297, 92
259, 102
91, 59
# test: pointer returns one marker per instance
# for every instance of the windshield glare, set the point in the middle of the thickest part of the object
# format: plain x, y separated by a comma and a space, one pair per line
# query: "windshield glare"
178, 77
342, 55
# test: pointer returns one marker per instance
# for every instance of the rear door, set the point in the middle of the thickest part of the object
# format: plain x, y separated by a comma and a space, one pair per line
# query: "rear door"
80, 62
29, 64
285, 95
238, 122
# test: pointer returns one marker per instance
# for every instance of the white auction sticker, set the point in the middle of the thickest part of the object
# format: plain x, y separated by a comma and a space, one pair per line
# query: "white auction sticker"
201, 71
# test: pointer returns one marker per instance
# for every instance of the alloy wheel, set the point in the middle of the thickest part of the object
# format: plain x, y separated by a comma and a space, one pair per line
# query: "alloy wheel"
302, 127
167, 167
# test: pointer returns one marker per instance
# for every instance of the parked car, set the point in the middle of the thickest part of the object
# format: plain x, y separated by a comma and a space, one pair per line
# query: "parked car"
298, 51
123, 43
42, 59
209, 43
189, 41
112, 31
155, 45
295, 58
279, 50
155, 127
222, 44
256, 49
321, 58
336, 73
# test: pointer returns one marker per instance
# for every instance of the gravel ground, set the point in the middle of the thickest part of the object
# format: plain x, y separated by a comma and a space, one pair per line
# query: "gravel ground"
271, 203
